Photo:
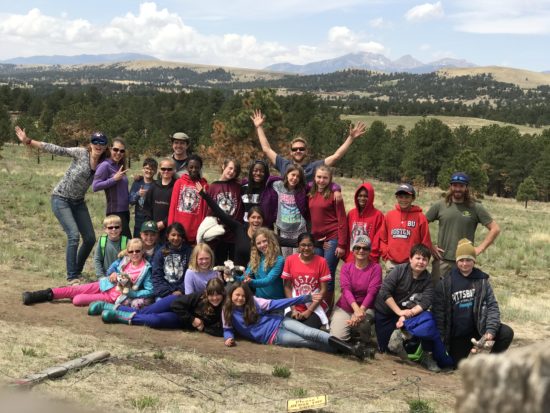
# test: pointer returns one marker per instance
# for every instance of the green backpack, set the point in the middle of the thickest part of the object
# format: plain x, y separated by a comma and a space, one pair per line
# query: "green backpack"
103, 242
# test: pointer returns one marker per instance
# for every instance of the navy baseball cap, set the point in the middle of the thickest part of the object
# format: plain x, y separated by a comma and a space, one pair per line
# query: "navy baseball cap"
405, 189
460, 178
98, 138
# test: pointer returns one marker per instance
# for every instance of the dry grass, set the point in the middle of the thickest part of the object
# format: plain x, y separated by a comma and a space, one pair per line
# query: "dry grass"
525, 79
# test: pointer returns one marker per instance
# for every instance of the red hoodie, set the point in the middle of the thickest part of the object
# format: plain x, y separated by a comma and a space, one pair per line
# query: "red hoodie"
187, 207
401, 231
367, 222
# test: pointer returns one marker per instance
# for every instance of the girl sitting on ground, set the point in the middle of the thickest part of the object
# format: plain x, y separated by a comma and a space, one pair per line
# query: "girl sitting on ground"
263, 273
200, 311
258, 320
200, 269
131, 262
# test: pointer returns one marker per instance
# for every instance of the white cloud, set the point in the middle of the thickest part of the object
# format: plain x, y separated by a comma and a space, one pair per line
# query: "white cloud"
425, 11
379, 23
163, 34
503, 17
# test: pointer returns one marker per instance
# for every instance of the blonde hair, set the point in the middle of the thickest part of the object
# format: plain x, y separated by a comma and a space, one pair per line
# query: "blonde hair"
111, 220
132, 242
169, 160
200, 247
298, 138
314, 188
273, 250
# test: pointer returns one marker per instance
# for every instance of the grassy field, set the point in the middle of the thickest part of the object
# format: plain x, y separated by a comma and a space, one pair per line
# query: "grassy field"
408, 122
166, 371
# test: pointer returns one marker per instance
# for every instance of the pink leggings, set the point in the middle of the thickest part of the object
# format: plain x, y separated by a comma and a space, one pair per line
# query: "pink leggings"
85, 294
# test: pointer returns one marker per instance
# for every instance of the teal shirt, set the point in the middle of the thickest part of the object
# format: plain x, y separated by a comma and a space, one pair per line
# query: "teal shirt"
268, 282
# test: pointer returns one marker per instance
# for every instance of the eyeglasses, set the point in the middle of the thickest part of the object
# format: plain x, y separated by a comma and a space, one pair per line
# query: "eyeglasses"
114, 227
134, 251
298, 149
166, 169
305, 245
118, 150
359, 248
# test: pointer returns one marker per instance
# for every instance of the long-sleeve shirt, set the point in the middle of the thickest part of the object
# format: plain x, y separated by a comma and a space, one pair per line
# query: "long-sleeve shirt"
359, 285
267, 281
191, 306
195, 281
115, 191
328, 219
169, 270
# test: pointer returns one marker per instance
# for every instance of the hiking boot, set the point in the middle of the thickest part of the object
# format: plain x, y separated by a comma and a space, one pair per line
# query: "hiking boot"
117, 316
97, 307
429, 363
73, 281
396, 346
40, 296
347, 348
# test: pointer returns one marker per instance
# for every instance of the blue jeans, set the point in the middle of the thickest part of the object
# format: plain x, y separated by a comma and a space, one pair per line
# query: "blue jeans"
292, 333
332, 260
75, 219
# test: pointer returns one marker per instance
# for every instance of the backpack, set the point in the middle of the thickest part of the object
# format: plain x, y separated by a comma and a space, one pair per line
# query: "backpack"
103, 242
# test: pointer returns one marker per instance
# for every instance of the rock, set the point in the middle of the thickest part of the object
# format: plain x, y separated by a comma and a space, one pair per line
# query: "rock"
515, 381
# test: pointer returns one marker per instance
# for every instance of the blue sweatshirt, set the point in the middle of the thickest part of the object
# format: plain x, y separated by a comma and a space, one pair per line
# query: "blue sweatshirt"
169, 270
268, 323
268, 283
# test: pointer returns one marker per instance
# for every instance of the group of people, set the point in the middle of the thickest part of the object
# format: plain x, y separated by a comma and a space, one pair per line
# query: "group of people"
289, 233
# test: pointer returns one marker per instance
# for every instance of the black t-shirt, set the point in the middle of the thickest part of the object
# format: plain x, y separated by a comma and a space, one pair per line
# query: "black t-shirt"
463, 298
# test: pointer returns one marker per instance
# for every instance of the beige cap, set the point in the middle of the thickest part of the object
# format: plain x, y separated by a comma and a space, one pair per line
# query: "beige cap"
180, 136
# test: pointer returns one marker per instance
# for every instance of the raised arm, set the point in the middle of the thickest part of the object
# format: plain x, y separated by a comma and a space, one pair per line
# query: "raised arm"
354, 132
216, 210
258, 119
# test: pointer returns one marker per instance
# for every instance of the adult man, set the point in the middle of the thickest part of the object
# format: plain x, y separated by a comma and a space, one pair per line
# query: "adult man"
465, 308
458, 215
298, 148
180, 146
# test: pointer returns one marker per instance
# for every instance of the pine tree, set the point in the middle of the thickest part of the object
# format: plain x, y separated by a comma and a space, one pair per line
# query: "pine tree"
527, 190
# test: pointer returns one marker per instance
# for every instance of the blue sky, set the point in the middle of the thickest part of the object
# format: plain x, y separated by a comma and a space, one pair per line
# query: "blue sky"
246, 33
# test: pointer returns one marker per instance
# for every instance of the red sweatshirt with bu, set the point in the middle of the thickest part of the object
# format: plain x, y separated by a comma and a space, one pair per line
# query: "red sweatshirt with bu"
328, 219
402, 229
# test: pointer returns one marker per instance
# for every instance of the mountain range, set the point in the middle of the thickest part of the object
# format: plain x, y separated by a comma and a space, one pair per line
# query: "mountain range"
78, 59
369, 61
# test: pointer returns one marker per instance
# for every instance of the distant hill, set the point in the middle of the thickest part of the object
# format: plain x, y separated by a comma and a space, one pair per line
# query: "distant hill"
369, 61
78, 59
525, 79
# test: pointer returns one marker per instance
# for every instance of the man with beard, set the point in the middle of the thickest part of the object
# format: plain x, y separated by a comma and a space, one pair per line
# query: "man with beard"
458, 216
180, 146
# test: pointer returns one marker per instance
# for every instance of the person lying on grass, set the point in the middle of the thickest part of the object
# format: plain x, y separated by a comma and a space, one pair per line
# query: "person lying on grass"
130, 263
199, 311
258, 320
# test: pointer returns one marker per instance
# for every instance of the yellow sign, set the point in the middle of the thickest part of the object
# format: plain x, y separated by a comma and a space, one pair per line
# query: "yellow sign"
297, 405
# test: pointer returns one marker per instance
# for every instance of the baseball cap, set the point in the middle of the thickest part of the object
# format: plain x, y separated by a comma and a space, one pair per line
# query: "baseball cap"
180, 136
98, 138
405, 188
149, 226
460, 178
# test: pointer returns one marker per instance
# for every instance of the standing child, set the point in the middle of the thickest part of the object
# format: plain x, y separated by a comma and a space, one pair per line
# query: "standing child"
139, 190
200, 311
109, 245
200, 269
403, 227
170, 263
131, 262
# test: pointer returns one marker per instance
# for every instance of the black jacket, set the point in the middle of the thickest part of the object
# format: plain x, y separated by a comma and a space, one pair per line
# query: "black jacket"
486, 311
157, 202
191, 306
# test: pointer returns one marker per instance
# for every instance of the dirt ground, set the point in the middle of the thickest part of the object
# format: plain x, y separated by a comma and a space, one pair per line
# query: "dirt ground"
385, 384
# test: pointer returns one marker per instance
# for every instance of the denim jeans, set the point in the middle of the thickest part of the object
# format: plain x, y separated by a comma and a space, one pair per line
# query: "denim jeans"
75, 219
332, 260
292, 333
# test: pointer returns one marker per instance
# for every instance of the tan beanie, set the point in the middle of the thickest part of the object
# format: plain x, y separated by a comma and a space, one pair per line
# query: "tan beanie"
465, 249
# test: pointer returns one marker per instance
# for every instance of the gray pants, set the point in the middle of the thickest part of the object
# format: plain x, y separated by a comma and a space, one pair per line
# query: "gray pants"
440, 268
339, 327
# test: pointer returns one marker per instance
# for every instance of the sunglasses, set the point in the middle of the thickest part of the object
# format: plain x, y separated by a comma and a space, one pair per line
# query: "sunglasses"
359, 248
166, 169
134, 251
298, 149
118, 150
459, 178
98, 142
114, 227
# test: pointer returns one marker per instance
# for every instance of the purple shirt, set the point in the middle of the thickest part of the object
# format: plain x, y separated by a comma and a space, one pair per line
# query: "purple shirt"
115, 191
359, 285
195, 282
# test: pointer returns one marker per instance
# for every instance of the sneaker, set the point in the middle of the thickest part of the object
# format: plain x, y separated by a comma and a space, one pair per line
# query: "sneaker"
429, 363
396, 344
73, 281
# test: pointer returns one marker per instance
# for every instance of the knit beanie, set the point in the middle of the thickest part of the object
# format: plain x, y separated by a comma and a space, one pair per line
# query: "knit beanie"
465, 249
361, 239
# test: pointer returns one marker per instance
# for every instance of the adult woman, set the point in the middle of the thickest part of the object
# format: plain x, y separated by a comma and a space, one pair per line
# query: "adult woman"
242, 232
258, 190
360, 282
307, 273
131, 262
200, 311
68, 204
263, 273
292, 211
226, 192
328, 223
157, 200
111, 178
259, 320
